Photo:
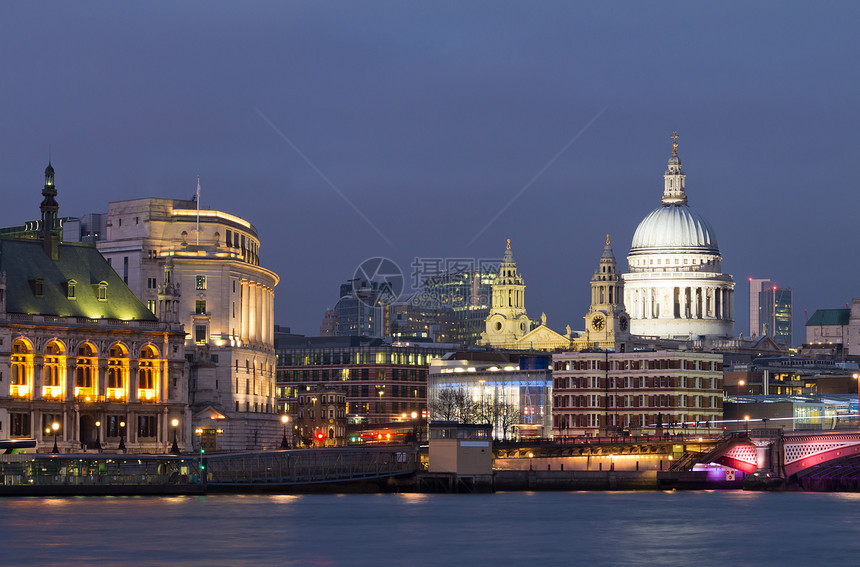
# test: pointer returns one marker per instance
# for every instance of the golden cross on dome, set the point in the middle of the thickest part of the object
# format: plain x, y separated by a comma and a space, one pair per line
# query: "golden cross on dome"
674, 137
607, 239
509, 244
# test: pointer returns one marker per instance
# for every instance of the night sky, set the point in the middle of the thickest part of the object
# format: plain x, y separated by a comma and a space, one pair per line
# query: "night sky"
431, 117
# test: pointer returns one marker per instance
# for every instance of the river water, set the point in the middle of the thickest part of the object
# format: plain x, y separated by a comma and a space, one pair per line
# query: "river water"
524, 528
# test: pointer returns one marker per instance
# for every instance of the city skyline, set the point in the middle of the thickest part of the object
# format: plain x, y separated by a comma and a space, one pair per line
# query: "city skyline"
383, 130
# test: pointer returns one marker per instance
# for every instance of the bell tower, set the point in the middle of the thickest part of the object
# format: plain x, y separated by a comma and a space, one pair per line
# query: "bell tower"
607, 325
507, 321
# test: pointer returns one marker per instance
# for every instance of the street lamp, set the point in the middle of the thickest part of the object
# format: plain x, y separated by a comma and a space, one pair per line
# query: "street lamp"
747, 420
121, 446
99, 436
56, 427
738, 403
856, 376
284, 443
414, 416
175, 447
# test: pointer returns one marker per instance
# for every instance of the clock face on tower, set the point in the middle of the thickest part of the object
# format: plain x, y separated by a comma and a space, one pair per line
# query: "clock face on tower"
598, 322
623, 323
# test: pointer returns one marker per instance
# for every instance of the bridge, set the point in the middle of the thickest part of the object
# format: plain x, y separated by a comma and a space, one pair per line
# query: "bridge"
772, 455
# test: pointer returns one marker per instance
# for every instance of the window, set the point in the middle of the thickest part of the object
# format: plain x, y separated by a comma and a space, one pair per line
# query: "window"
114, 426
19, 424
200, 282
125, 269
229, 238
146, 426
146, 374
102, 292
85, 370
52, 369
200, 334
200, 307
117, 372
70, 289
39, 287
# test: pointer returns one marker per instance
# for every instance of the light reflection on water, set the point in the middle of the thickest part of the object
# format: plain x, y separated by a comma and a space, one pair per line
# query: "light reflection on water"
547, 528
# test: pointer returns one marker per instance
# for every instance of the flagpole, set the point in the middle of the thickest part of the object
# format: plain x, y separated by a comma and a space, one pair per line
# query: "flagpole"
198, 210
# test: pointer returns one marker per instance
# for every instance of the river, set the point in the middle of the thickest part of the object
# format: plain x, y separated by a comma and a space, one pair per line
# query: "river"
523, 528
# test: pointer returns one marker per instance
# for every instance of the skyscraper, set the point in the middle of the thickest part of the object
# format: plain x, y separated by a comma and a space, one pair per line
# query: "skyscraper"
770, 311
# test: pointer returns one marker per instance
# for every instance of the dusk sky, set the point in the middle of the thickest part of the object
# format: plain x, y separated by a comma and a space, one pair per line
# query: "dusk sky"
431, 117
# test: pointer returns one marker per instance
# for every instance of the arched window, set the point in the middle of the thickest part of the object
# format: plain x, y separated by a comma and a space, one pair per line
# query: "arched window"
147, 374
117, 373
53, 370
22, 369
85, 373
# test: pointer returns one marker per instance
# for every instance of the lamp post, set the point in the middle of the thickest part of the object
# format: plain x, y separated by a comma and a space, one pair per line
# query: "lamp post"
99, 436
747, 426
56, 427
121, 446
414, 416
738, 404
175, 447
856, 376
284, 443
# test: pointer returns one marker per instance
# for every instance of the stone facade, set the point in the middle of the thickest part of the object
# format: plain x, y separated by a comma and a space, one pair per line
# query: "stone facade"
201, 268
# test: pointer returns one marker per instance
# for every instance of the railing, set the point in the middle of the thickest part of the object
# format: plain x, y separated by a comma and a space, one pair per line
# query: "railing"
310, 466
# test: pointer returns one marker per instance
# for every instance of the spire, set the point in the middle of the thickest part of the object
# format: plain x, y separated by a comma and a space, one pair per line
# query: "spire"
674, 178
509, 255
607, 250
50, 231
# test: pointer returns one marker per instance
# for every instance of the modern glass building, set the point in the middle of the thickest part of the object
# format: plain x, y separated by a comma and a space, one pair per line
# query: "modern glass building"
512, 392
775, 314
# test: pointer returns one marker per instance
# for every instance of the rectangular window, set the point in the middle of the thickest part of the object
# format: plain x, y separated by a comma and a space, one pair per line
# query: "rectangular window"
125, 269
200, 307
146, 426
229, 238
19, 424
200, 282
200, 334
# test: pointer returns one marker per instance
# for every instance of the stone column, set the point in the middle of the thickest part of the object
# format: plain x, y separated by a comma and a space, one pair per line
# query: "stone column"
71, 366
133, 381
38, 369
243, 309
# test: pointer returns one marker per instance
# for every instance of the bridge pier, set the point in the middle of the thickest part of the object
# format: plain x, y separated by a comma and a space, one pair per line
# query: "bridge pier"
766, 476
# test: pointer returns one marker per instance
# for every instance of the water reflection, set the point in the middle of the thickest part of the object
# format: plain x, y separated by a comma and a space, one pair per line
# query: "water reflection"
613, 528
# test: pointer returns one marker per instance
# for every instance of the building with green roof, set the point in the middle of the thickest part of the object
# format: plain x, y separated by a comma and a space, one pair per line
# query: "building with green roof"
89, 365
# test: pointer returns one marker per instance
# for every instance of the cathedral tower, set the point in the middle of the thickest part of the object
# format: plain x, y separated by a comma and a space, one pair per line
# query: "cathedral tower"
507, 321
607, 325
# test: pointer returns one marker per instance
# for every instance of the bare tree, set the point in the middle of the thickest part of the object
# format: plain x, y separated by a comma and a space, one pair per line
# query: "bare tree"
445, 406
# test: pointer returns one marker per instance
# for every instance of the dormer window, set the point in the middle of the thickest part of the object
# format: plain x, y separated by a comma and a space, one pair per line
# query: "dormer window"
102, 291
39, 287
70, 289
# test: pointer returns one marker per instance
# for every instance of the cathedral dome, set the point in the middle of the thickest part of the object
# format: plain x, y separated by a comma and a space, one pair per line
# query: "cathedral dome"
674, 227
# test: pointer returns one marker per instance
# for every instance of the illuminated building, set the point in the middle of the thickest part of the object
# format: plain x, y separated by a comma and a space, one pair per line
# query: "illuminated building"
202, 268
510, 391
607, 324
320, 418
775, 314
467, 294
381, 380
507, 325
675, 288
605, 393
86, 364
